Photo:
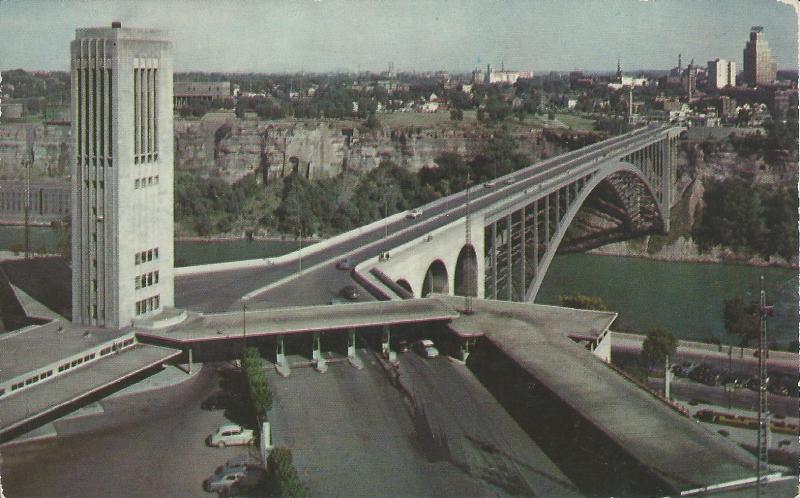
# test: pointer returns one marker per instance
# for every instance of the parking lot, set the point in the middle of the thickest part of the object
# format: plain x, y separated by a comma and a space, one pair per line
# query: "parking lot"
151, 444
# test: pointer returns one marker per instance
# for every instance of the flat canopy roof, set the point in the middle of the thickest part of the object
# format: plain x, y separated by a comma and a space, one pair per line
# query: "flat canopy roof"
34, 347
683, 453
292, 320
50, 395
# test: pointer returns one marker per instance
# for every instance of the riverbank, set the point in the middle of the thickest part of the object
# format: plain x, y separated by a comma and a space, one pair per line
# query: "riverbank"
685, 250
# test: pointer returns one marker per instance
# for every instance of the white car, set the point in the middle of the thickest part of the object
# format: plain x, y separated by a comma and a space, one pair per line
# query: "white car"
426, 348
414, 213
230, 435
489, 184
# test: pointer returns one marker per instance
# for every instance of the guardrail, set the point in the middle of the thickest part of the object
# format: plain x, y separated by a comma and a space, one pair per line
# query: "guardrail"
388, 282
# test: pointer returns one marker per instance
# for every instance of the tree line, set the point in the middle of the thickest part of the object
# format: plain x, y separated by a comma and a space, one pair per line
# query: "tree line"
748, 219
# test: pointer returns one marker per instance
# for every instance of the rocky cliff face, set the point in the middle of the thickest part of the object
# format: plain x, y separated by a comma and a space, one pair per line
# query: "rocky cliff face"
50, 149
231, 149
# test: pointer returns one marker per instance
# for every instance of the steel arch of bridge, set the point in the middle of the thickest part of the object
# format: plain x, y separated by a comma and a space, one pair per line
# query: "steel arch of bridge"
643, 181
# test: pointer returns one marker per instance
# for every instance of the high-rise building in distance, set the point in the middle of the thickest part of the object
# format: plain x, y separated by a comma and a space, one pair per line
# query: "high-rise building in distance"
721, 73
122, 150
759, 65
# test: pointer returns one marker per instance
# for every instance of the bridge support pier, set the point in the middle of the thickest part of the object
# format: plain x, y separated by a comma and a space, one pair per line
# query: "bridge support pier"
316, 354
352, 357
281, 365
386, 349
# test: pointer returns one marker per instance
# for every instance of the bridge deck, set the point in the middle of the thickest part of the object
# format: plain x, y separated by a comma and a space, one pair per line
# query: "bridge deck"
48, 397
683, 453
276, 321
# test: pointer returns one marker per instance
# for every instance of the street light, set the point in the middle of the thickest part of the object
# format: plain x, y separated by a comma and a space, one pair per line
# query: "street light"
244, 321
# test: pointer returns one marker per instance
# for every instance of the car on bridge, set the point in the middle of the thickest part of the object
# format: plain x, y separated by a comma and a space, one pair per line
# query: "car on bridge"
230, 435
426, 348
489, 184
350, 292
414, 213
345, 264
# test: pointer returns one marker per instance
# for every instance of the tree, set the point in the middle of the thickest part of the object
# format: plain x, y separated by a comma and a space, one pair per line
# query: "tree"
658, 344
741, 320
581, 302
456, 114
731, 216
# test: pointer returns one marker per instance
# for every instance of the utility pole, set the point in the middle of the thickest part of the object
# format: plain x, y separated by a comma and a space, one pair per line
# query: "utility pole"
28, 162
763, 412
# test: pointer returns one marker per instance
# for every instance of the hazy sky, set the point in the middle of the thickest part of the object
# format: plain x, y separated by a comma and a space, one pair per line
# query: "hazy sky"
325, 35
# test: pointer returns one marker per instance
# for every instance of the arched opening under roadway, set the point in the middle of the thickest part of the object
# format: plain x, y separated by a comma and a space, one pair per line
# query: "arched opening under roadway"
436, 279
404, 284
466, 273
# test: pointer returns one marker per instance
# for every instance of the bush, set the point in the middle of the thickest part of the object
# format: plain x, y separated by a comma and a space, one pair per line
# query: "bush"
283, 473
260, 393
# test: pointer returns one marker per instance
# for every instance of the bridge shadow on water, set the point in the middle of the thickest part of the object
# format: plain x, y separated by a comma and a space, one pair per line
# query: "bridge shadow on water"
586, 455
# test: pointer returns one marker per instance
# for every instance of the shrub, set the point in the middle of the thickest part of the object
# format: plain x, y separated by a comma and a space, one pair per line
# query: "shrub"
283, 473
260, 393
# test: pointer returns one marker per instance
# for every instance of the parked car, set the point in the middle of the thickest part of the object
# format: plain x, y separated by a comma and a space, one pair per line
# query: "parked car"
426, 348
684, 369
230, 435
253, 484
345, 264
222, 482
350, 292
414, 213
402, 346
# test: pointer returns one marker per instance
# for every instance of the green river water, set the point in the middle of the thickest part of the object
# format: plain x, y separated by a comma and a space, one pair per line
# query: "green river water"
685, 298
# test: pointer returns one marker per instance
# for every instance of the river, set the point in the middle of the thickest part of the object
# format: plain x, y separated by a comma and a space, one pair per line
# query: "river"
684, 298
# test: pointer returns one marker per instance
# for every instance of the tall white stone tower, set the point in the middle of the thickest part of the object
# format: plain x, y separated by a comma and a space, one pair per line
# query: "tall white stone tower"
122, 148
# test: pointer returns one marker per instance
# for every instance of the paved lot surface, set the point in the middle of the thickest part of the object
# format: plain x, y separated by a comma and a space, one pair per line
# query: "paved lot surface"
474, 432
150, 444
353, 434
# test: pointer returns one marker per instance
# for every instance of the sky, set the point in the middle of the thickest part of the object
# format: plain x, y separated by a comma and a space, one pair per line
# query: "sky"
416, 35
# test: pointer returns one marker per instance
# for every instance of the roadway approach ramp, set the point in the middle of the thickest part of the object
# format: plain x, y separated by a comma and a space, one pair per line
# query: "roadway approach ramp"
676, 449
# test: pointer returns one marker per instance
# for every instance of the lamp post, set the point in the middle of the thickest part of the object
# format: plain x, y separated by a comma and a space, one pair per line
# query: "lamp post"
244, 322
300, 252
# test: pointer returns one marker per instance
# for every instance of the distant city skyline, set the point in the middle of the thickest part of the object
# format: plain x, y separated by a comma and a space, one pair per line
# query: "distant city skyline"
416, 35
